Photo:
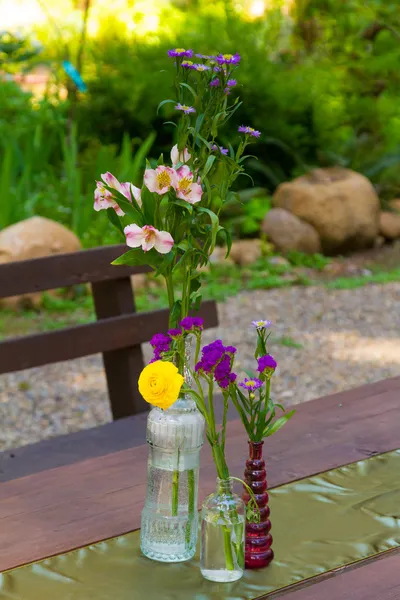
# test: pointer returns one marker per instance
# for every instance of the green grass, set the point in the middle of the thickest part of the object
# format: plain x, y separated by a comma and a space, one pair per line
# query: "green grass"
287, 341
350, 283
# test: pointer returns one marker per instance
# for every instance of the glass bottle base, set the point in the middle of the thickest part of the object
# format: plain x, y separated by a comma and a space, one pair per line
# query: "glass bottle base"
222, 575
164, 553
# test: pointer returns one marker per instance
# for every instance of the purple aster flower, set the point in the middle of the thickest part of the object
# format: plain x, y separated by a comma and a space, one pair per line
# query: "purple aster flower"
205, 56
187, 64
180, 52
251, 384
216, 148
249, 131
214, 83
174, 332
200, 67
267, 364
190, 323
186, 109
231, 83
228, 59
261, 324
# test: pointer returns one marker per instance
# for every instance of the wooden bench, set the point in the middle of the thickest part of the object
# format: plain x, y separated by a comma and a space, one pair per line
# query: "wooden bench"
118, 332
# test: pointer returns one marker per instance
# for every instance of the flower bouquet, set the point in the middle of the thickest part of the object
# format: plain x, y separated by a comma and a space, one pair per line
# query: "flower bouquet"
171, 223
224, 514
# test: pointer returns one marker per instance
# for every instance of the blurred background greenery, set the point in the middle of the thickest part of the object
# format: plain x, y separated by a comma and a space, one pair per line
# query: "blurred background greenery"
319, 78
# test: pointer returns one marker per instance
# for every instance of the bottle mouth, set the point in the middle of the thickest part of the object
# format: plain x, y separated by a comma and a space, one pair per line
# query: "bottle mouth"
225, 485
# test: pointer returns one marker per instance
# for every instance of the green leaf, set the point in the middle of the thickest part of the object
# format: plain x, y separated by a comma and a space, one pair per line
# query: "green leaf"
136, 257
214, 225
228, 239
182, 204
169, 101
175, 315
161, 159
278, 424
149, 205
209, 164
114, 220
195, 284
199, 123
165, 263
191, 90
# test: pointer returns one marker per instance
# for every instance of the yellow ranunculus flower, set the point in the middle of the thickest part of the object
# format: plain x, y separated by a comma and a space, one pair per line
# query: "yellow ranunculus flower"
160, 383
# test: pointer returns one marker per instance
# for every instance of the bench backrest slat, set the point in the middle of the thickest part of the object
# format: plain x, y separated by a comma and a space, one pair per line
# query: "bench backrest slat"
64, 270
83, 340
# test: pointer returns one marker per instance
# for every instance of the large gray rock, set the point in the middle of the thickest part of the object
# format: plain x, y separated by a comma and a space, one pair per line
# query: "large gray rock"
341, 204
288, 232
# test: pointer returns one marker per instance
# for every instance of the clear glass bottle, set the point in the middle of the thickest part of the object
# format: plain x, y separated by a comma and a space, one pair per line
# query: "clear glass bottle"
222, 534
169, 523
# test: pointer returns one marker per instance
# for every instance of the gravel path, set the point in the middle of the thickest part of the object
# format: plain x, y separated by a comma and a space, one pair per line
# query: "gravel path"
348, 338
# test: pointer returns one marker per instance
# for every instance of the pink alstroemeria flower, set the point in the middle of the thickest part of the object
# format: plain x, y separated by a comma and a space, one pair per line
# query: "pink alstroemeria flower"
179, 157
148, 237
186, 188
104, 199
160, 180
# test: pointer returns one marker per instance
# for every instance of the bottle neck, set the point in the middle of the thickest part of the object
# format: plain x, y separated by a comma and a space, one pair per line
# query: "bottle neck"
255, 450
224, 486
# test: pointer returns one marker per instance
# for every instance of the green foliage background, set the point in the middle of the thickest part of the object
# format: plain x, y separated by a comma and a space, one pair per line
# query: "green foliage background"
322, 84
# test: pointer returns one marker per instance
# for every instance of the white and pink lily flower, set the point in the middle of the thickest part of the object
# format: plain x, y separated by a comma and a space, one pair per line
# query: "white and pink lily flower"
148, 237
160, 180
179, 157
186, 188
104, 199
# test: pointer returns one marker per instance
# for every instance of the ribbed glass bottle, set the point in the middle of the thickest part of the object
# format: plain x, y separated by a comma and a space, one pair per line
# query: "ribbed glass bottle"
169, 524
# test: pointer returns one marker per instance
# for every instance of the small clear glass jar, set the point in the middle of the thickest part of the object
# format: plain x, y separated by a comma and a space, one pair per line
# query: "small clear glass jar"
222, 534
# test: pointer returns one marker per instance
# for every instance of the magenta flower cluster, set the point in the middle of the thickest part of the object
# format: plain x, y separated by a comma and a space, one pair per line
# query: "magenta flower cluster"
192, 323
266, 364
216, 359
160, 343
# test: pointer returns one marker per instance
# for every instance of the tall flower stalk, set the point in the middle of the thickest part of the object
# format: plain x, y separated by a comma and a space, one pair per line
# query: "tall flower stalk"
171, 222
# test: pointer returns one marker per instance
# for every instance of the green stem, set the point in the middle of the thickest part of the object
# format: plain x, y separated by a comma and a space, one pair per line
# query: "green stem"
230, 565
171, 298
191, 505
175, 493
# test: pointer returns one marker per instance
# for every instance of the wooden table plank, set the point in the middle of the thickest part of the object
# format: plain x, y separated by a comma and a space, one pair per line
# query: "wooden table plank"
59, 509
377, 580
317, 420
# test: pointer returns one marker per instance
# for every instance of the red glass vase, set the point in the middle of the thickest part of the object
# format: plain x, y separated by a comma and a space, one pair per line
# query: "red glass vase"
258, 540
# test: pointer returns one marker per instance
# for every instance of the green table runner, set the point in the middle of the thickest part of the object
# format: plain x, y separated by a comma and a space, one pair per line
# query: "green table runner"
319, 524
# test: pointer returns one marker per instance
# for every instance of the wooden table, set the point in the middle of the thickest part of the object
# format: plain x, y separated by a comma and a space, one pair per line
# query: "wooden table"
72, 491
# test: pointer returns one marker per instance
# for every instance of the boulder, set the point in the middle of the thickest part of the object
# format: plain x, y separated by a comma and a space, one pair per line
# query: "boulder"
288, 232
33, 238
245, 252
395, 204
389, 225
341, 204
